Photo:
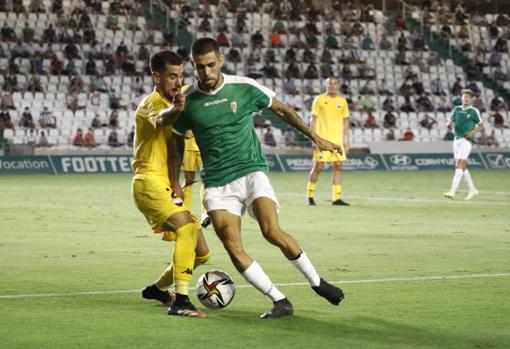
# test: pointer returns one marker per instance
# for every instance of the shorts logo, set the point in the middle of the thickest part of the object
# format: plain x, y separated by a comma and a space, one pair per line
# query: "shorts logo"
233, 106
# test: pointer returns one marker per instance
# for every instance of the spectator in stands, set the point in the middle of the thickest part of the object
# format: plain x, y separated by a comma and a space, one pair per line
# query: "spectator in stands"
501, 45
479, 104
370, 122
5, 119
6, 101
56, 66
289, 137
390, 120
113, 119
400, 58
492, 140
28, 33
498, 120
113, 139
269, 138
78, 138
446, 31
96, 122
367, 43
408, 135
428, 121
257, 40
390, 135
234, 56
43, 140
112, 22
407, 107
388, 105
495, 59
457, 87
7, 33
497, 104
423, 103
367, 103
89, 140
222, 39
400, 23
49, 35
47, 119
331, 42
443, 106
311, 72
26, 120
100, 84
385, 43
436, 87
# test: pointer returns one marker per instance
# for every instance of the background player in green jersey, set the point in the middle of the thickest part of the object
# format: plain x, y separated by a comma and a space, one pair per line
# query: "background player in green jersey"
219, 110
468, 123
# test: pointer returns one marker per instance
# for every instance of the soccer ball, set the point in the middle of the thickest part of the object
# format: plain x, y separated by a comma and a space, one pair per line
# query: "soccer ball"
215, 289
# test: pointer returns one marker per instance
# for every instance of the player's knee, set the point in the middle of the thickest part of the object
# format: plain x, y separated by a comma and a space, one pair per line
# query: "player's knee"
273, 234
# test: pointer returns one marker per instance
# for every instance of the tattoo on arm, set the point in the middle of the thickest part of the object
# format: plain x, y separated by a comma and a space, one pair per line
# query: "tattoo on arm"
175, 150
290, 116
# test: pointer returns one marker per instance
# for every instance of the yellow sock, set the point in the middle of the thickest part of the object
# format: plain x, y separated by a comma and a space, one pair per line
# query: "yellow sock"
310, 189
337, 190
188, 195
199, 260
184, 256
167, 278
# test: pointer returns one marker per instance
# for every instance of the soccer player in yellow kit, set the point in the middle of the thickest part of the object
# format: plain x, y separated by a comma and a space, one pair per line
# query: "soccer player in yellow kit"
330, 120
156, 195
192, 161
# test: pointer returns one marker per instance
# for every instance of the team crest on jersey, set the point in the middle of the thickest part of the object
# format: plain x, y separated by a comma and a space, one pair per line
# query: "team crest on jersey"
339, 105
233, 106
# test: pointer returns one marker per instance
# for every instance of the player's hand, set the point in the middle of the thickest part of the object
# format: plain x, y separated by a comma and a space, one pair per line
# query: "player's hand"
177, 190
179, 101
323, 144
470, 134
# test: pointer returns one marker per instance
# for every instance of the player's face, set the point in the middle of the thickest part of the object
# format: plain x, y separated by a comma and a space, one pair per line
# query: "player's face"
208, 70
332, 86
466, 99
169, 81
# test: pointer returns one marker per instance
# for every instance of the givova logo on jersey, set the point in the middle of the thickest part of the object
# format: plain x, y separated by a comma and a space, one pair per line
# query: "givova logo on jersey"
215, 102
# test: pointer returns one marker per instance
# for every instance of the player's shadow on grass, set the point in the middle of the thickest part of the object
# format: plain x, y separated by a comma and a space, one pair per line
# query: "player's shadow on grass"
359, 328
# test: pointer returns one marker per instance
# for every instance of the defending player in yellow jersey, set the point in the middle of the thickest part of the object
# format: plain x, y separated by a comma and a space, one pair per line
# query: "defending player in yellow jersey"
155, 194
191, 163
330, 120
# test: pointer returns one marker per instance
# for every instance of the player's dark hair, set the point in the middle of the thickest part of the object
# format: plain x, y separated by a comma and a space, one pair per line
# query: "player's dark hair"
160, 59
203, 46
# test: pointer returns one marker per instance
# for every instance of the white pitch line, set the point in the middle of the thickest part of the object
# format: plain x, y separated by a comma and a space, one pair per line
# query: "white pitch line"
288, 284
459, 201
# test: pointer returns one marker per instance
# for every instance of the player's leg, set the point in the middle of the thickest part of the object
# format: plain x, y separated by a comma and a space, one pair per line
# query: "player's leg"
458, 169
265, 211
312, 181
466, 150
337, 184
189, 180
186, 240
205, 221
228, 229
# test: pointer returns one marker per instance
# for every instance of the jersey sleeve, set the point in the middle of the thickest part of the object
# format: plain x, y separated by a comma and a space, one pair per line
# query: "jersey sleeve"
345, 109
262, 96
316, 108
478, 118
452, 115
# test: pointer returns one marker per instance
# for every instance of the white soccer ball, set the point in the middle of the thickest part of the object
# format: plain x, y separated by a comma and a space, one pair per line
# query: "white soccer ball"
215, 289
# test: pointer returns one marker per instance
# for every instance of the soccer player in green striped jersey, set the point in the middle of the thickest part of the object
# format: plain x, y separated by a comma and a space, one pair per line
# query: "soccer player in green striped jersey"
468, 123
219, 109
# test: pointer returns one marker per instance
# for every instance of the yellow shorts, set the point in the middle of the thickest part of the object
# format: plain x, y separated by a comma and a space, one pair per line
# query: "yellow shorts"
153, 197
327, 156
191, 161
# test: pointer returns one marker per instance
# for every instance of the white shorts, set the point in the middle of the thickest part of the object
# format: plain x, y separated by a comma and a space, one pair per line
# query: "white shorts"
236, 197
461, 149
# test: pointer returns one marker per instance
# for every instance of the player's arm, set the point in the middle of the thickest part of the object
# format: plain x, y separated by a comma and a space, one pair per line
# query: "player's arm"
175, 150
168, 116
346, 138
291, 117
479, 128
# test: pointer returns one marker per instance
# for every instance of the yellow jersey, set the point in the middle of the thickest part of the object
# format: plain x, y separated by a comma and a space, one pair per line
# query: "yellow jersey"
330, 112
150, 142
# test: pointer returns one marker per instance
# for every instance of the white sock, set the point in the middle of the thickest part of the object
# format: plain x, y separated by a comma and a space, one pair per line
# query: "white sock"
469, 180
256, 276
456, 180
303, 264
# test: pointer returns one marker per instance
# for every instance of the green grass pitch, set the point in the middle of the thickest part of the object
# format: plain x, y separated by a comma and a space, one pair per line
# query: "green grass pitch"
63, 236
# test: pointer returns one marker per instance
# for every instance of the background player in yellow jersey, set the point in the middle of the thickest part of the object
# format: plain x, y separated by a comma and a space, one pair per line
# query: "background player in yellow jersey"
191, 163
330, 120
157, 195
